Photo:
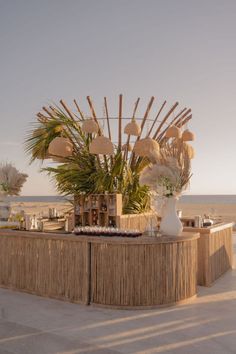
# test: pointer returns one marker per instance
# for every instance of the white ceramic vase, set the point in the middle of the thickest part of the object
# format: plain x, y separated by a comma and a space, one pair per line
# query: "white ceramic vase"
5, 208
170, 223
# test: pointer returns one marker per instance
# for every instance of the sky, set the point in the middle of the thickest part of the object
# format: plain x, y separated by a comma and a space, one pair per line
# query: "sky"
178, 50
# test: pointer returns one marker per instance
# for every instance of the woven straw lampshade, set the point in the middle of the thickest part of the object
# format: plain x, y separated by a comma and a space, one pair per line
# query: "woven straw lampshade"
173, 132
60, 147
124, 147
132, 128
145, 147
90, 126
101, 145
191, 151
188, 135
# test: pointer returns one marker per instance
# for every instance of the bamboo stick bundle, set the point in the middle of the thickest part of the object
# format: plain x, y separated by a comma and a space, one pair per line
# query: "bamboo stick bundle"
107, 117
128, 138
174, 121
64, 105
48, 112
146, 115
165, 119
120, 123
155, 120
78, 109
182, 123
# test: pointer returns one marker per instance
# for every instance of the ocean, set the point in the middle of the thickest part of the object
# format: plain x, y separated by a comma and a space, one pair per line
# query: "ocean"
185, 199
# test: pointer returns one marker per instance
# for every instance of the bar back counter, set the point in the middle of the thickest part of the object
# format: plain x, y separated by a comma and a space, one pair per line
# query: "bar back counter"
215, 251
108, 271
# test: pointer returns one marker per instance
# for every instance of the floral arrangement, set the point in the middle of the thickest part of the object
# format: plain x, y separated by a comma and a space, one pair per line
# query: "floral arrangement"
11, 180
170, 171
91, 158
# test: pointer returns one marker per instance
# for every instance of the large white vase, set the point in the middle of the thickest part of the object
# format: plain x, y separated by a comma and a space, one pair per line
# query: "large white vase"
5, 208
170, 222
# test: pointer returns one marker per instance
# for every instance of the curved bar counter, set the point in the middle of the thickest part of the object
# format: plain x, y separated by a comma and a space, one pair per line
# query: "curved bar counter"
109, 271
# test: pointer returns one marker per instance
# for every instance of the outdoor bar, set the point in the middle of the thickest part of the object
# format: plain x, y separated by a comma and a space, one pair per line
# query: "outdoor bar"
116, 272
120, 249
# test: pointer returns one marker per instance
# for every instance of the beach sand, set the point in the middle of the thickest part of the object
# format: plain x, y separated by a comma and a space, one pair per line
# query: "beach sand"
40, 208
224, 212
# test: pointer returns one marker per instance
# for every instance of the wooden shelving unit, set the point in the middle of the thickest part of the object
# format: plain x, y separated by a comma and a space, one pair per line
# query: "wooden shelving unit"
98, 210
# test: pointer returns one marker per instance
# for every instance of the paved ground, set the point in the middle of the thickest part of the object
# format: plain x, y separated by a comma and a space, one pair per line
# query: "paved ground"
34, 325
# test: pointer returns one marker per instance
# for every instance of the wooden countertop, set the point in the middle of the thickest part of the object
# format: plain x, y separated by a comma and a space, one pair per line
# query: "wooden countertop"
209, 229
184, 237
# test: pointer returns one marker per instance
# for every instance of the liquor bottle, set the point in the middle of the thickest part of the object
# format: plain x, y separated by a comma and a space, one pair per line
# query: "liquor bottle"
104, 206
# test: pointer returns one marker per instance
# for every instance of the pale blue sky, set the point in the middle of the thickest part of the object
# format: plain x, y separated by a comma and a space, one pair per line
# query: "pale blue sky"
179, 50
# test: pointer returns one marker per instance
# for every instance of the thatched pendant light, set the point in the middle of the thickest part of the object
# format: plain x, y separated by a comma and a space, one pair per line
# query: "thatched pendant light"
132, 128
145, 147
191, 151
101, 145
127, 147
188, 135
90, 126
60, 147
173, 132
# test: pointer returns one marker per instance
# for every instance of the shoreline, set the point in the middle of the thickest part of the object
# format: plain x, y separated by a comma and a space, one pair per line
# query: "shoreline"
225, 212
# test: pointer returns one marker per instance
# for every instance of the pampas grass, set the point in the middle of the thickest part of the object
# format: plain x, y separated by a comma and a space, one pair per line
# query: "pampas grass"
11, 180
170, 171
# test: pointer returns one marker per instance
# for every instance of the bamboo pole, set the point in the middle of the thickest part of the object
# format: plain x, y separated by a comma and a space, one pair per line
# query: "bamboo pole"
64, 105
173, 122
99, 129
107, 117
48, 112
52, 109
165, 119
128, 138
149, 106
132, 158
185, 121
120, 123
157, 116
181, 122
79, 110
184, 115
42, 118
108, 123
93, 113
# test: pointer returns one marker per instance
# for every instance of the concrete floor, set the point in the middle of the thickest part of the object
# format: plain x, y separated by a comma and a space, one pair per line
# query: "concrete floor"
34, 325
